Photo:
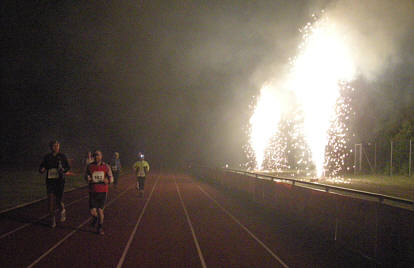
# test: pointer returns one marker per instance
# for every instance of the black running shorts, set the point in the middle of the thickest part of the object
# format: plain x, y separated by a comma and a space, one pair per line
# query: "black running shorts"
55, 186
97, 200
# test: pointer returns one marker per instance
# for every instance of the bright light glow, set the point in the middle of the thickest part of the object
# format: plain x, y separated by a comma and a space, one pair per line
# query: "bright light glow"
324, 62
323, 65
264, 122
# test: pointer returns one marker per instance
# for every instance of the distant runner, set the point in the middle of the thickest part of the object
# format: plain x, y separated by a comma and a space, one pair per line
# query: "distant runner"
98, 175
141, 168
55, 164
116, 167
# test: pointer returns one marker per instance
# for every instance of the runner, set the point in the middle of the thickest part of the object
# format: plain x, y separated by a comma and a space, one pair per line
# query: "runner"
89, 159
98, 175
116, 167
141, 168
55, 164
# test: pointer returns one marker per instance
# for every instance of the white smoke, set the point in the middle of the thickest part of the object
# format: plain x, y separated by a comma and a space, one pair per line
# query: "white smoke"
377, 30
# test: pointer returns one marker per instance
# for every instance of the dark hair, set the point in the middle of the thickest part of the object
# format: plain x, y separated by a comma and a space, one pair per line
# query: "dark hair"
53, 143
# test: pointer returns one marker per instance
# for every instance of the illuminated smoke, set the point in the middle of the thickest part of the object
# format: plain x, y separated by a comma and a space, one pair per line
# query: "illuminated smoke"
351, 37
324, 61
264, 122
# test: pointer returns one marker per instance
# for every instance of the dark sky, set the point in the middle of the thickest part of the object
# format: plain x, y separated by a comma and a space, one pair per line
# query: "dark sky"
170, 78
173, 79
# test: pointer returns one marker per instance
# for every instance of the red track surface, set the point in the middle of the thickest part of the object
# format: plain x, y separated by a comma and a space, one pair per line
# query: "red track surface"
179, 222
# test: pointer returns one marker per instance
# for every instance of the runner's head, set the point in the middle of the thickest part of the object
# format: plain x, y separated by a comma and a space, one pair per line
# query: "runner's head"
140, 156
116, 155
54, 146
97, 155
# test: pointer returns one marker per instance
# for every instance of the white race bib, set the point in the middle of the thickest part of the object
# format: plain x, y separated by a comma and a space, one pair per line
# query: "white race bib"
52, 173
98, 176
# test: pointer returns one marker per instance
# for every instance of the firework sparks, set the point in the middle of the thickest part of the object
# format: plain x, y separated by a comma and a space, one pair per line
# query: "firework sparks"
325, 61
264, 122
323, 64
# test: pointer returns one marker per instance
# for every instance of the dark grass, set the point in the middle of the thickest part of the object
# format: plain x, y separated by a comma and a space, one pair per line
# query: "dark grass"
19, 187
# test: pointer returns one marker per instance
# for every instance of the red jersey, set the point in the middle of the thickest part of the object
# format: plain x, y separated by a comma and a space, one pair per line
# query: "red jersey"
98, 173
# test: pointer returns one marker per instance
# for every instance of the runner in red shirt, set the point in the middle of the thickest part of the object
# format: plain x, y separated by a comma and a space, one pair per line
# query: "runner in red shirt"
98, 174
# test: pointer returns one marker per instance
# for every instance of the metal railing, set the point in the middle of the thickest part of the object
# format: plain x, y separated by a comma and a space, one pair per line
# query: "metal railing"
329, 188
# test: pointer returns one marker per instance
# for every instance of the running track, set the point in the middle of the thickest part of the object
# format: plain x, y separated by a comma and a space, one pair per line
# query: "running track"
179, 222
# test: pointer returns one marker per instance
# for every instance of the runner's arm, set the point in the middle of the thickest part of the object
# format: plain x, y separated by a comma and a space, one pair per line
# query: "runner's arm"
42, 167
65, 164
87, 176
110, 175
147, 167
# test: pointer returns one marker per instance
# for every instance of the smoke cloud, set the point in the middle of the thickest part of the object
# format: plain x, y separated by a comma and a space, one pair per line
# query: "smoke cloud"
378, 31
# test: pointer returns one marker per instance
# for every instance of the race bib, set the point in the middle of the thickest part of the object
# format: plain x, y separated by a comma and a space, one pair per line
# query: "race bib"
114, 167
52, 173
98, 176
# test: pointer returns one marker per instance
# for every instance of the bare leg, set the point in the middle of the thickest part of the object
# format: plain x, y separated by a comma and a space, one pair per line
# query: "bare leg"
101, 215
93, 212
51, 201
62, 209
60, 204
101, 218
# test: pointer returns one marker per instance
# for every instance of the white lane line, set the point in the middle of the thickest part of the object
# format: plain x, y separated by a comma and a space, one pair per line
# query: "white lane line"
37, 220
245, 228
73, 232
131, 238
200, 254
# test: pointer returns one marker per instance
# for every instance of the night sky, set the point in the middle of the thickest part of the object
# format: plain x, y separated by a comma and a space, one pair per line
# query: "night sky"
173, 79
169, 78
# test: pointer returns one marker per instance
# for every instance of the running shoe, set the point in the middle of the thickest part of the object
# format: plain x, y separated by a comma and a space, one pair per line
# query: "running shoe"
63, 215
94, 221
100, 230
53, 222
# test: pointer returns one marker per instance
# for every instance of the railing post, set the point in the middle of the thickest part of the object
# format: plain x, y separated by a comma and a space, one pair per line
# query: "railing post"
355, 157
391, 161
409, 161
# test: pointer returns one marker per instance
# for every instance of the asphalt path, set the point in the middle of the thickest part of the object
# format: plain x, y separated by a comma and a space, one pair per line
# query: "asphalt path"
179, 222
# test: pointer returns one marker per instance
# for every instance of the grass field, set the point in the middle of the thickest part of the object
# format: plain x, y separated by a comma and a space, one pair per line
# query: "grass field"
18, 187
398, 186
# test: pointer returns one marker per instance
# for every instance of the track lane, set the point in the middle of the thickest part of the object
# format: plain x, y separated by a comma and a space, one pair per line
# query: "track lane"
298, 245
93, 250
163, 238
23, 247
224, 243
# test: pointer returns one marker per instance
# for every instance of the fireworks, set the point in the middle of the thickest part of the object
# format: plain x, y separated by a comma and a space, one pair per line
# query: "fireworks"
323, 66
264, 122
